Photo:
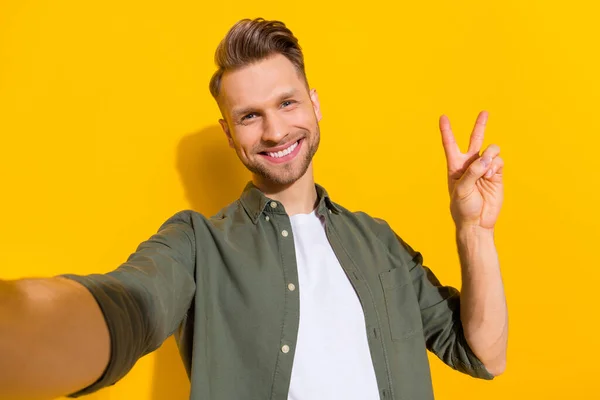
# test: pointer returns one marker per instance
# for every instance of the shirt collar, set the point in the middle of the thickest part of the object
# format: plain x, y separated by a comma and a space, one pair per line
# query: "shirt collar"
255, 202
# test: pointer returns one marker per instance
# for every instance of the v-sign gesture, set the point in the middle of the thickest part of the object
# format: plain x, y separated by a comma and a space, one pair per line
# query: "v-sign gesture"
474, 179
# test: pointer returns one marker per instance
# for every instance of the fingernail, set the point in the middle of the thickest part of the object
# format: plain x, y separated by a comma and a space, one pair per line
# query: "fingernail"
489, 173
486, 161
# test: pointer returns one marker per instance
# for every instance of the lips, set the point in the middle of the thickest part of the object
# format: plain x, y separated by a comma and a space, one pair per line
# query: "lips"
283, 153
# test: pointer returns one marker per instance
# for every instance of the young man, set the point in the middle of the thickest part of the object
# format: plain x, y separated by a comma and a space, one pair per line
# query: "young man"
283, 294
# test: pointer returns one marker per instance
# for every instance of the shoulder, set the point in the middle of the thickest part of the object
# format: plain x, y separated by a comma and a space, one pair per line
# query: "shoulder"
380, 228
196, 221
364, 220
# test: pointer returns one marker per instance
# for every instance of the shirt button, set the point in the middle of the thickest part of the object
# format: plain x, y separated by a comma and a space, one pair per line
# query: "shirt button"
291, 287
329, 211
273, 204
284, 233
267, 218
285, 349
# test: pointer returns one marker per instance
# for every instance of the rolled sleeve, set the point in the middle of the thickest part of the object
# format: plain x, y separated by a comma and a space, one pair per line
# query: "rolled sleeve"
440, 310
440, 314
145, 299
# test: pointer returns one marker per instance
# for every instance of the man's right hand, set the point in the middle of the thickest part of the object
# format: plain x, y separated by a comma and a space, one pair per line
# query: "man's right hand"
54, 340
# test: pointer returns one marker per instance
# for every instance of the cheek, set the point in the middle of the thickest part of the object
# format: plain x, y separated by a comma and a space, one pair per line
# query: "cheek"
247, 138
303, 118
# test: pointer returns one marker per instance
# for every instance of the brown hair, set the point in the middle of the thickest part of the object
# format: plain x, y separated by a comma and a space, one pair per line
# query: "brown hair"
249, 41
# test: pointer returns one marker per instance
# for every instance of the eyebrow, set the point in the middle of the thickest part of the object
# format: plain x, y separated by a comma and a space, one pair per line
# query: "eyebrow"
236, 113
241, 112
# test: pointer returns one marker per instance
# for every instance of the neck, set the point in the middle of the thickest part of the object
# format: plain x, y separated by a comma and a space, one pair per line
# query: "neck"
299, 197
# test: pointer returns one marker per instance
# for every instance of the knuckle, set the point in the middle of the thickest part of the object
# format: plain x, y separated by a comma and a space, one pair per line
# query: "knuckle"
492, 149
474, 170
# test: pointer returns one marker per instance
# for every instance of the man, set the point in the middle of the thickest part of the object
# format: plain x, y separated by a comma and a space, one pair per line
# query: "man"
284, 294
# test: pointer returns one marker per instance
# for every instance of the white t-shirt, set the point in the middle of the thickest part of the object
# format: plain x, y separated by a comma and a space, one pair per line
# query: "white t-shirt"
332, 358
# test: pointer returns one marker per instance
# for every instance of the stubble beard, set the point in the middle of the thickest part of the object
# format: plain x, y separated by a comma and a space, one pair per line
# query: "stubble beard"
287, 174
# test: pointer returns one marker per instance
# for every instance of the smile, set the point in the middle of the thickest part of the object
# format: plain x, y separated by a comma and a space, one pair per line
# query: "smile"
283, 152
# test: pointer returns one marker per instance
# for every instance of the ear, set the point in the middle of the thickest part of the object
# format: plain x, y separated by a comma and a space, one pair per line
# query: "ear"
314, 98
225, 128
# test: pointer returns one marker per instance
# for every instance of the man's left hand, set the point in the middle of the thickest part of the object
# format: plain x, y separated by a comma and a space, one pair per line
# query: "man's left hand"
474, 180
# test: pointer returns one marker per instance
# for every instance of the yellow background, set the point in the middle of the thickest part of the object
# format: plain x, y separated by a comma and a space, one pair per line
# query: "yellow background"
107, 128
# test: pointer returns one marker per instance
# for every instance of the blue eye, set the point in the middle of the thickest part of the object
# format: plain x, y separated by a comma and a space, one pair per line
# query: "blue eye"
248, 116
286, 103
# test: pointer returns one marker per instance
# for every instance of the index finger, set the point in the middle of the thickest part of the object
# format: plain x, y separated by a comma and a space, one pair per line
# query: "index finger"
476, 140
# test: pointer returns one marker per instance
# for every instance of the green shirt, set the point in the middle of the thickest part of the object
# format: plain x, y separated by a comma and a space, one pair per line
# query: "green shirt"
221, 285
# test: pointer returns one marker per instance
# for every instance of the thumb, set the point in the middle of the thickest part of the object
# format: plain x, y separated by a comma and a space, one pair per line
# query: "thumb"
476, 170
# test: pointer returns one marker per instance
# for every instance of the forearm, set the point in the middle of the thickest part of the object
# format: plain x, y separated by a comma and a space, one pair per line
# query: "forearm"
53, 338
484, 314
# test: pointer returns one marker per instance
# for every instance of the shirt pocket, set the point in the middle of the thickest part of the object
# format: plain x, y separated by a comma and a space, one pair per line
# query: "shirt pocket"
402, 305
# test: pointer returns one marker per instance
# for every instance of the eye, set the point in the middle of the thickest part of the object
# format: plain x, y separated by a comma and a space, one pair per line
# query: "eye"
287, 103
248, 116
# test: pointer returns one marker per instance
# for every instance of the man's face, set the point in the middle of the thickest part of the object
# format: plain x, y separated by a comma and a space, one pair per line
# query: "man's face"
271, 119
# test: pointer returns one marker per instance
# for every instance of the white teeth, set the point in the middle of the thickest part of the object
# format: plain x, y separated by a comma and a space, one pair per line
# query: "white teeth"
284, 152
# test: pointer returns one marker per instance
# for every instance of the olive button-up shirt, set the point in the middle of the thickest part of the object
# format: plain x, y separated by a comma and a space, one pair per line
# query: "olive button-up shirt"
227, 287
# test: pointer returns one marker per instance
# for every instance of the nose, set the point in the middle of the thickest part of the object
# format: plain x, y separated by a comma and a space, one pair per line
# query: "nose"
274, 129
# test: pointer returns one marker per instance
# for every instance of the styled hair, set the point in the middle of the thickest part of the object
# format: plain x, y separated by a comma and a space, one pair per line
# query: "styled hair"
250, 41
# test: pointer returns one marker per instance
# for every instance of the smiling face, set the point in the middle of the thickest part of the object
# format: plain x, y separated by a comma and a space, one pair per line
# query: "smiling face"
271, 119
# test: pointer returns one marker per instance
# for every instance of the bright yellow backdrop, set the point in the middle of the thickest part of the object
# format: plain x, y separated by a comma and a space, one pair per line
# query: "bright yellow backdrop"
107, 128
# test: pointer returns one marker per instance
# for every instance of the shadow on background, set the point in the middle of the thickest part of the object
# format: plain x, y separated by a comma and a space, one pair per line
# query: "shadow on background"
211, 173
212, 177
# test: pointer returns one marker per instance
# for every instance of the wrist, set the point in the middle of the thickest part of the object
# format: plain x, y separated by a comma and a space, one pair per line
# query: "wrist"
472, 231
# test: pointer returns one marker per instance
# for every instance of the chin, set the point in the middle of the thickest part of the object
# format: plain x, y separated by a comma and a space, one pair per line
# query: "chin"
282, 175
281, 179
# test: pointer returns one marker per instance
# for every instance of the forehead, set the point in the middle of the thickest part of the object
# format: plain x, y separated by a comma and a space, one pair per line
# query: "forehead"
260, 83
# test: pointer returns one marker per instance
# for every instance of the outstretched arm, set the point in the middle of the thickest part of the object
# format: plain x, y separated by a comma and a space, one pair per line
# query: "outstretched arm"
75, 334
53, 338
